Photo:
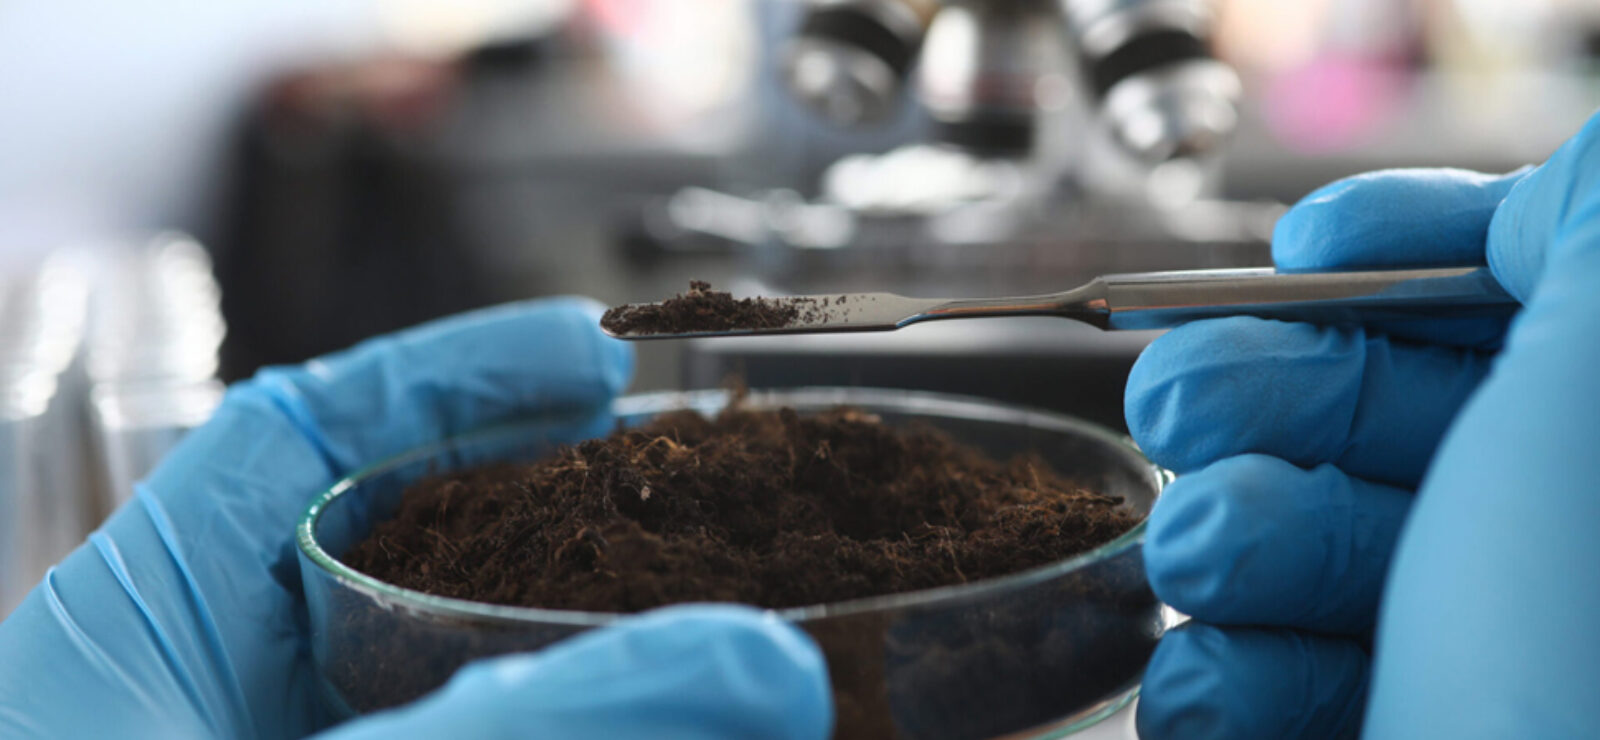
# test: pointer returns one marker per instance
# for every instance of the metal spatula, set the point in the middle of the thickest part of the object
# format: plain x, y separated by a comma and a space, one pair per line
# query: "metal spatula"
1157, 300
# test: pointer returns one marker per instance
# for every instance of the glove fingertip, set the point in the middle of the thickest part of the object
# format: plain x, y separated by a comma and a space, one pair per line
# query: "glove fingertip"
784, 669
611, 360
1545, 210
614, 357
737, 671
1243, 683
1205, 542
1184, 401
682, 672
1392, 218
1300, 237
1176, 543
1254, 539
1181, 687
1157, 392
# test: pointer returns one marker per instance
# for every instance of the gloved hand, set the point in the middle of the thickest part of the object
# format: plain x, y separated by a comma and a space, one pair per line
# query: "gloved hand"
1419, 482
183, 615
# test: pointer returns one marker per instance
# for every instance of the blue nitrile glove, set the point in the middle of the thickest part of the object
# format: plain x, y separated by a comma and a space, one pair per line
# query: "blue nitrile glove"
1321, 469
183, 615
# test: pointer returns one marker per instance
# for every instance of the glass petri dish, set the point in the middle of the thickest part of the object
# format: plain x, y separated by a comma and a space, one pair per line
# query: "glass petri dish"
1037, 654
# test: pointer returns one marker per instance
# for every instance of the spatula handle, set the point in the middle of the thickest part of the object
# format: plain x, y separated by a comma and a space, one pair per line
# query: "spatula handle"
1163, 299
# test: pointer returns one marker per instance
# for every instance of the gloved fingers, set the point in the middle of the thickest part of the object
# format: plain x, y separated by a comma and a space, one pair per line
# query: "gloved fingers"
241, 480
1400, 218
1393, 218
709, 672
1255, 540
1503, 531
1375, 406
204, 554
1548, 214
1240, 683
398, 391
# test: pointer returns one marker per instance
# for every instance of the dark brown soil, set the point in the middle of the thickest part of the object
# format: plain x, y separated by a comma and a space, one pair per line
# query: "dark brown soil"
702, 309
766, 508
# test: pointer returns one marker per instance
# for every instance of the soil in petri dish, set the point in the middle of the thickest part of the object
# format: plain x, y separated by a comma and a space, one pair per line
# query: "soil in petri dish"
769, 508
775, 509
704, 309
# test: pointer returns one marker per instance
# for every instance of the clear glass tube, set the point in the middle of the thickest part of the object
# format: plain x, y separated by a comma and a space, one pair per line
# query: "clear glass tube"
1042, 653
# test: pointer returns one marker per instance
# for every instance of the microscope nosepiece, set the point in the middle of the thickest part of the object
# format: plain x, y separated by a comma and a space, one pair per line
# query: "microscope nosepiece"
1178, 110
850, 59
1149, 66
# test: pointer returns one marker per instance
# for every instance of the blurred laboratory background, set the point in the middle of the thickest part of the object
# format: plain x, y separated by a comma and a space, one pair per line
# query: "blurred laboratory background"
192, 190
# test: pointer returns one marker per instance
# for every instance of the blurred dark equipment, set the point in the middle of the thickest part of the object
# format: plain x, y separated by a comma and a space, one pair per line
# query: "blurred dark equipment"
1057, 138
987, 64
338, 216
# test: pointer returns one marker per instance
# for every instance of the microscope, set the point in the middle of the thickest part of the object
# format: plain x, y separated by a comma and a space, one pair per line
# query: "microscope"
989, 72
1054, 140
1047, 131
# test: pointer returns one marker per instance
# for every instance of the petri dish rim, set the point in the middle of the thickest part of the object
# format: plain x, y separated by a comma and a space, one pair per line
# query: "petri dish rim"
898, 401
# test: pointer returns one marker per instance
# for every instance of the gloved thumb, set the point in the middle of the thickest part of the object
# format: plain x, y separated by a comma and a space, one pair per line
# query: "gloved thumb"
1548, 215
676, 673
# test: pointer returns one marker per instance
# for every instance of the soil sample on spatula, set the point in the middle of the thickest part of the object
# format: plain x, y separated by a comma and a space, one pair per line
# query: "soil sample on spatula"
705, 310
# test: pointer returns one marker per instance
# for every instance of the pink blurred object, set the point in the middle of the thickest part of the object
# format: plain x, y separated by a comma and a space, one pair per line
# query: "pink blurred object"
1334, 102
395, 93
